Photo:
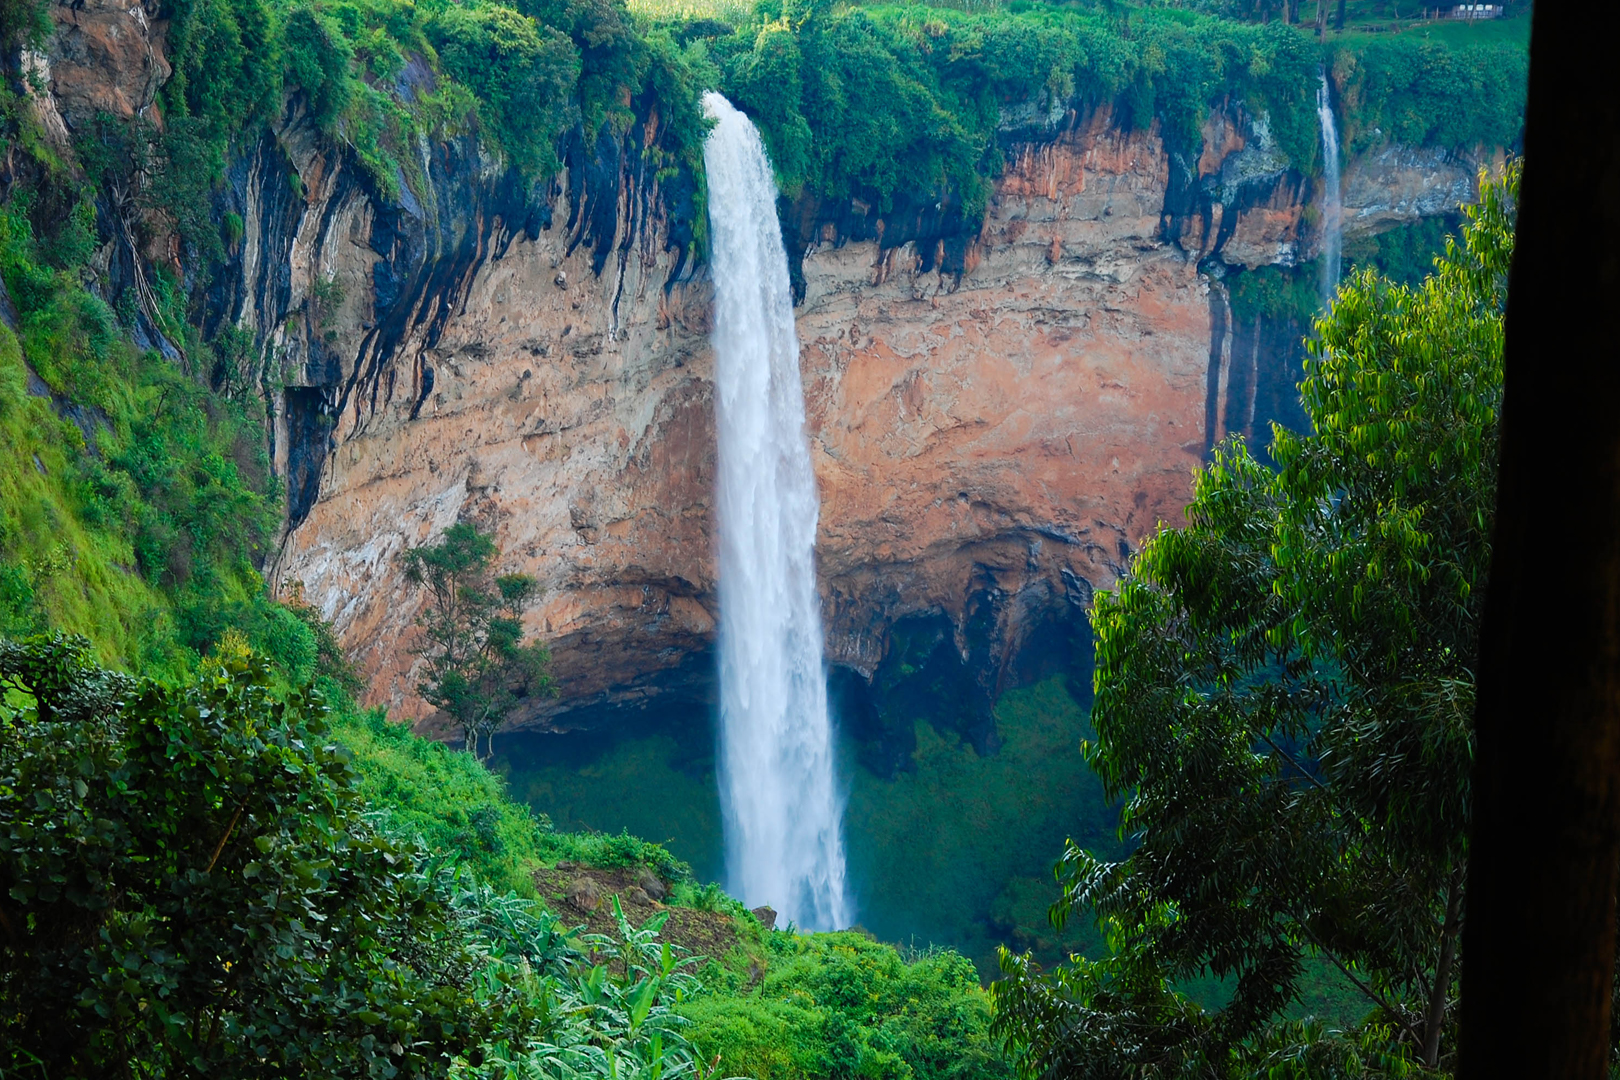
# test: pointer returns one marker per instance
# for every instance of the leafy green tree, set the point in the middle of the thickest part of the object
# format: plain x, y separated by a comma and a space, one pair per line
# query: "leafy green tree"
522, 72
188, 885
1284, 697
478, 667
191, 885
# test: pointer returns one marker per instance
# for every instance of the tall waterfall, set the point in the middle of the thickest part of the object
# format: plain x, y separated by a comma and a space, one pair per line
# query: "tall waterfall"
1332, 206
783, 811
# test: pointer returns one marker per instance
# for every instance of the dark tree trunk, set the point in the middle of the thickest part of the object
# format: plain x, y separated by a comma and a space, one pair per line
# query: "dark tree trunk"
1434, 1017
1539, 938
1340, 27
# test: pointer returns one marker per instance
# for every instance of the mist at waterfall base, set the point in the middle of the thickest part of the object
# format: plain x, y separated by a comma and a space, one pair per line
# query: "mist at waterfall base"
783, 810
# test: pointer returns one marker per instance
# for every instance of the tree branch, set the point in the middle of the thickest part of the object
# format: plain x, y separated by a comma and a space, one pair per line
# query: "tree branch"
220, 847
1374, 996
1286, 756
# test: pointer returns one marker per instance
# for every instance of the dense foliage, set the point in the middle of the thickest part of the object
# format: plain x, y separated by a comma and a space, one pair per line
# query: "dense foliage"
376, 75
113, 459
425, 792
204, 878
1285, 696
842, 1005
875, 101
191, 885
862, 101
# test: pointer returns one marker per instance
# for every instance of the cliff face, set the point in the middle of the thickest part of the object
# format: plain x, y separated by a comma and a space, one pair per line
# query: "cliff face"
998, 417
999, 411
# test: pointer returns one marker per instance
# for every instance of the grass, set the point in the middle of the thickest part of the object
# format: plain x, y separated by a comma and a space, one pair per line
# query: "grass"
1455, 33
59, 572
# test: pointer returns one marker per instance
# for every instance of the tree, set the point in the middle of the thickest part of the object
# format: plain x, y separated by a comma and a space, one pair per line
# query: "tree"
191, 885
188, 885
1546, 830
478, 667
1284, 690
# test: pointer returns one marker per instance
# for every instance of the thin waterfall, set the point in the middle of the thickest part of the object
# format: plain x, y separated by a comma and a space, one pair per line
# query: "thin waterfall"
1332, 206
783, 811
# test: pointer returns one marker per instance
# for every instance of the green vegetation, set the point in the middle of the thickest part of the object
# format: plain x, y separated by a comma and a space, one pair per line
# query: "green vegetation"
479, 668
932, 85
842, 1005
1436, 89
426, 793
376, 75
877, 100
225, 841
993, 823
1405, 255
654, 778
191, 885
138, 503
1285, 698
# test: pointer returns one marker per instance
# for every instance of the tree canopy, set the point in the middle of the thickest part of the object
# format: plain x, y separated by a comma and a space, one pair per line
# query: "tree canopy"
1284, 699
191, 884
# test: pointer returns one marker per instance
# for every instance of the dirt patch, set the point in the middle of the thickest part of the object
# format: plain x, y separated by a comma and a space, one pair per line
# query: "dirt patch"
584, 894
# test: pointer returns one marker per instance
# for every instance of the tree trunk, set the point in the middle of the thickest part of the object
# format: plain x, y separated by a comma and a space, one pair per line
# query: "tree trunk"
1340, 27
1434, 1021
1539, 943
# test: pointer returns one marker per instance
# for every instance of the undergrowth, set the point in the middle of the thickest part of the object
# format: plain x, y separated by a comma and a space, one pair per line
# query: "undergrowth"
844, 1005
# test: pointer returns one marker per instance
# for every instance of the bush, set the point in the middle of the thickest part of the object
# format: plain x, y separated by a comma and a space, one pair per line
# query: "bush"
200, 889
843, 1005
189, 883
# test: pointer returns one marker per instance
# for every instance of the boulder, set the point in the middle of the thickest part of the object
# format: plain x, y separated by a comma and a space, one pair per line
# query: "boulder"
651, 884
585, 894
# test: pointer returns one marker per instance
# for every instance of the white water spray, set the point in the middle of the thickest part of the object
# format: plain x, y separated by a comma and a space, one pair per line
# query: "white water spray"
1332, 206
784, 842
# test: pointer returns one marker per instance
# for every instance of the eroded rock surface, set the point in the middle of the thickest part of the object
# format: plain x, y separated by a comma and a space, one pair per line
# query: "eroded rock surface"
999, 412
106, 57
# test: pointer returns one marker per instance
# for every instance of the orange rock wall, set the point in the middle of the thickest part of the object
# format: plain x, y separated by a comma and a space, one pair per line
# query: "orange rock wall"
998, 439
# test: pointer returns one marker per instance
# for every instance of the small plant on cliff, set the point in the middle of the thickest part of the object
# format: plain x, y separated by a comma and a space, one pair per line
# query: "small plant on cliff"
478, 667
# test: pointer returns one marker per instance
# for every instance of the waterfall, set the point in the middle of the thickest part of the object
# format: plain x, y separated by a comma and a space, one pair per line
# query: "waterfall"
1332, 207
784, 843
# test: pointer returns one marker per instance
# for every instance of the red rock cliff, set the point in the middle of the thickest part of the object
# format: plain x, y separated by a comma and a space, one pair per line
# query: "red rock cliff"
992, 438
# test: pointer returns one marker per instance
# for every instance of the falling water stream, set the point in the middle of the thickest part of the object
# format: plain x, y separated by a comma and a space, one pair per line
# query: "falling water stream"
1332, 206
778, 790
